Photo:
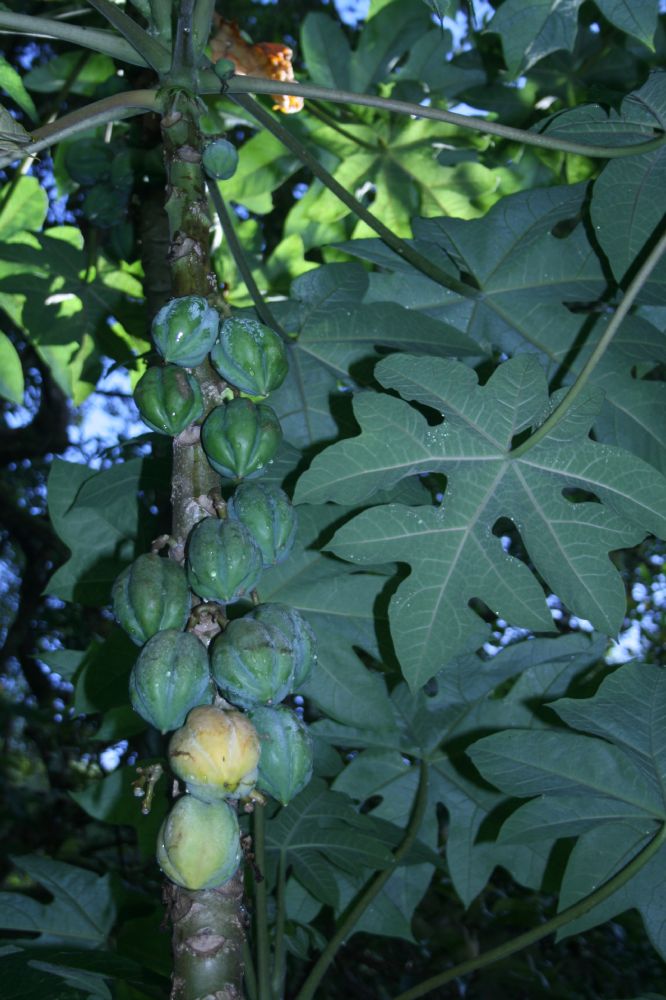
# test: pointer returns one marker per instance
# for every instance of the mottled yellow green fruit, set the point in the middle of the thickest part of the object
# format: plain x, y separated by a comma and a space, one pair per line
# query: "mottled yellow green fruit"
198, 845
216, 753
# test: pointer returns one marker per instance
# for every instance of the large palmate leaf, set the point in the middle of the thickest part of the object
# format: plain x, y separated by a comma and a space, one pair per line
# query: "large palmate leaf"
615, 802
387, 35
438, 729
531, 31
338, 339
629, 198
82, 911
525, 268
401, 162
452, 549
68, 312
319, 829
100, 516
527, 274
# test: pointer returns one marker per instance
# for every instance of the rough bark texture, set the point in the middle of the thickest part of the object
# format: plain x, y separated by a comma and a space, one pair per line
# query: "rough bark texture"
208, 925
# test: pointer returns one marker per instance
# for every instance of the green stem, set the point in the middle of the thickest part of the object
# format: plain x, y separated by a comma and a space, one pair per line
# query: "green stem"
354, 914
536, 934
254, 85
182, 61
110, 109
261, 904
106, 42
281, 908
147, 47
264, 311
249, 975
399, 246
574, 392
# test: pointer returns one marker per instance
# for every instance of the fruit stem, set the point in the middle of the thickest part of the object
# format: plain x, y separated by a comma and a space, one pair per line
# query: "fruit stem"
261, 904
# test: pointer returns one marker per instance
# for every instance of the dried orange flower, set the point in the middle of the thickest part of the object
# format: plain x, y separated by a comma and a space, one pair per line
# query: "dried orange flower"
271, 60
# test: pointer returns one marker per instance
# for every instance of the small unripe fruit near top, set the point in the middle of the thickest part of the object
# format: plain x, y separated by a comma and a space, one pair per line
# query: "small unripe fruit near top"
170, 677
168, 398
224, 68
216, 753
220, 159
250, 356
149, 596
198, 845
185, 329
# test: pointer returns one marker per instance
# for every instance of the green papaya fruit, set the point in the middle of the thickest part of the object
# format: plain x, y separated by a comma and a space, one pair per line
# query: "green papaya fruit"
168, 398
223, 560
285, 764
198, 845
220, 159
216, 753
151, 595
185, 329
241, 438
252, 663
170, 677
298, 632
269, 516
250, 356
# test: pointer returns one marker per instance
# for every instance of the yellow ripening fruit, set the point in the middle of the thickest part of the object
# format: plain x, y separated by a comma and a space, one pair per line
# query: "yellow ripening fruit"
216, 753
198, 845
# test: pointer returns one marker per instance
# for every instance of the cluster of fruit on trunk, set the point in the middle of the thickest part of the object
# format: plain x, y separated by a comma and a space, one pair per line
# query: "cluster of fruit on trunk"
260, 658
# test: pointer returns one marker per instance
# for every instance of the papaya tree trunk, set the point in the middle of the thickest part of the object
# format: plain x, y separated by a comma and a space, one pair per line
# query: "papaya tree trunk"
208, 925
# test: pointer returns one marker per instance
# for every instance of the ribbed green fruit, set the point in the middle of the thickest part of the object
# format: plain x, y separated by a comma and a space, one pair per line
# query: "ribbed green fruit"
198, 845
88, 161
170, 677
285, 764
216, 753
250, 356
298, 632
268, 514
149, 596
223, 560
168, 398
241, 438
185, 329
220, 159
252, 663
